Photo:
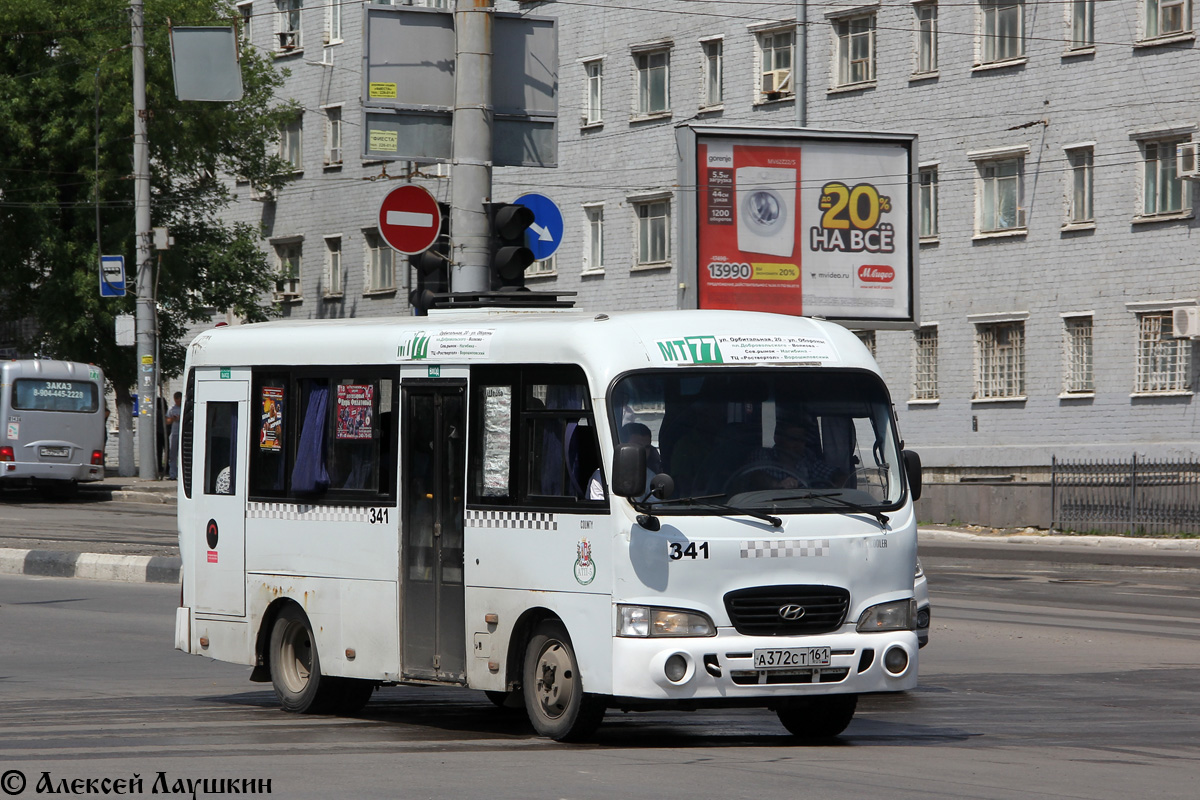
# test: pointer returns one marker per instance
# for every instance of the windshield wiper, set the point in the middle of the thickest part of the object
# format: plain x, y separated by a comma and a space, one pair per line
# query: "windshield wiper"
700, 501
841, 501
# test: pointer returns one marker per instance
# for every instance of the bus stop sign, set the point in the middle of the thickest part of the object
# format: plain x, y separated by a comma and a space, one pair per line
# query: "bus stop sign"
112, 276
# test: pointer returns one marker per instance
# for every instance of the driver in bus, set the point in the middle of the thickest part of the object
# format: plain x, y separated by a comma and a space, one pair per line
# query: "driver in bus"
794, 462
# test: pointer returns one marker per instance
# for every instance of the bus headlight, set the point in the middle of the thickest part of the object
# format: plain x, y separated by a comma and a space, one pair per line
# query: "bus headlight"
897, 615
649, 622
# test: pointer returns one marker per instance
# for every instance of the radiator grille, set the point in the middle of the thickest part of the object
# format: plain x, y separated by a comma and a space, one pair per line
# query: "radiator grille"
756, 611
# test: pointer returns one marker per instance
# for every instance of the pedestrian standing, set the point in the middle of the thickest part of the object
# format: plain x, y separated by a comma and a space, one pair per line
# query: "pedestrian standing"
173, 418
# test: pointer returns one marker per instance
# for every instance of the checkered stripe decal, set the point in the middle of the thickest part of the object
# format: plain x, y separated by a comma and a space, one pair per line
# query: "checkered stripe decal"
307, 513
526, 520
786, 548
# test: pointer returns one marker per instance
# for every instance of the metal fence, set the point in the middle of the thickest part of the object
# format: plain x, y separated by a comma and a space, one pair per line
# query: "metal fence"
1134, 496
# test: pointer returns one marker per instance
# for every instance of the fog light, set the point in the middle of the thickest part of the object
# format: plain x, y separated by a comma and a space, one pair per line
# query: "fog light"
675, 668
895, 660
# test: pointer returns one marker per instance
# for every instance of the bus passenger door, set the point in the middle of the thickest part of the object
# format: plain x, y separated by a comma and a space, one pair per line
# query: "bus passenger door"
219, 483
433, 432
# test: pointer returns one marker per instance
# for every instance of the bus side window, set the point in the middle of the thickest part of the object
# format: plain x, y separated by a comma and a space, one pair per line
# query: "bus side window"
220, 448
268, 453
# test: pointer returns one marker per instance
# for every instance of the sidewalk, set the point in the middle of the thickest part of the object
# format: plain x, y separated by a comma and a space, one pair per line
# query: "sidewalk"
133, 489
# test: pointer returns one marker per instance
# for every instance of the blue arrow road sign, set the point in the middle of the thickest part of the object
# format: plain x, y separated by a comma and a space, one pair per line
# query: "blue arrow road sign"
112, 276
545, 234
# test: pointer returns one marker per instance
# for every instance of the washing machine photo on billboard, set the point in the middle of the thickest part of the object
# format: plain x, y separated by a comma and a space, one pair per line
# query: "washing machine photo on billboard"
766, 210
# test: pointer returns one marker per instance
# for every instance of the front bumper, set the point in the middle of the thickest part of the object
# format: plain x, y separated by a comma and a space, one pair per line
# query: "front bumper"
720, 667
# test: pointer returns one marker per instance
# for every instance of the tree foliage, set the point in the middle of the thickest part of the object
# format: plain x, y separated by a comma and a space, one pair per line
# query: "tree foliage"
66, 101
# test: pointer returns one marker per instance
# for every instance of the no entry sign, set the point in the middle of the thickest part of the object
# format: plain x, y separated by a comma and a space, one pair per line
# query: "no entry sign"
409, 219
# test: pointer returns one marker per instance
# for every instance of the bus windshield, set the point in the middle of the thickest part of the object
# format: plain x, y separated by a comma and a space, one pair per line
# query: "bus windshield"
765, 439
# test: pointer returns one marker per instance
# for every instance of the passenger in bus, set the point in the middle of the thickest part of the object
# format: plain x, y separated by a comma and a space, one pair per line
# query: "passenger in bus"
631, 433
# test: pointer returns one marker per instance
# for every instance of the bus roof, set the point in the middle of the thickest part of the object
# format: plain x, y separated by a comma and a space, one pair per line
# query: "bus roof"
604, 344
47, 369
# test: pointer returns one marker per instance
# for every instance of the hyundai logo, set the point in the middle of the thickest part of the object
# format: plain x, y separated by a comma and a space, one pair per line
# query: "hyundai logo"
791, 612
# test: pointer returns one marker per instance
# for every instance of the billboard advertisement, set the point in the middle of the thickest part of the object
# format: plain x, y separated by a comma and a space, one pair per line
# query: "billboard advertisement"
803, 222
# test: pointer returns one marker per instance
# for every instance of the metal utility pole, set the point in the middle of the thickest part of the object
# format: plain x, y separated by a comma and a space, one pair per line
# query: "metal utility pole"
471, 147
147, 387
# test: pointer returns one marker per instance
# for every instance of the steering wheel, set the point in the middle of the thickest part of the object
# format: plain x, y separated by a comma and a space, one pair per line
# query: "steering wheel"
743, 473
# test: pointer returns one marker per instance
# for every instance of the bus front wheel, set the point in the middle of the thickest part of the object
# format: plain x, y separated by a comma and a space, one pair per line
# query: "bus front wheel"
557, 705
817, 718
296, 671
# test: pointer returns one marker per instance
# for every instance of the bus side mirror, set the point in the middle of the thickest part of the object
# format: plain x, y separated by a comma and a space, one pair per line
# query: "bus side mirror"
629, 471
912, 468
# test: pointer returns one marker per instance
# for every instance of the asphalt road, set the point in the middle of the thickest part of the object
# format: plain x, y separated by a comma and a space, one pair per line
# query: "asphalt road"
1043, 680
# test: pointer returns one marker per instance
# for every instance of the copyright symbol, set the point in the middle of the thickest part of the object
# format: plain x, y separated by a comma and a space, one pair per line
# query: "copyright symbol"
12, 782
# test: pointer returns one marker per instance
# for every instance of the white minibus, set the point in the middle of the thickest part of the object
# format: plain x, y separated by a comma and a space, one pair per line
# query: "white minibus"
573, 512
53, 415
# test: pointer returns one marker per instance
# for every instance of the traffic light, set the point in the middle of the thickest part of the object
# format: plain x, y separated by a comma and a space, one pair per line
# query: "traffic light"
433, 269
510, 256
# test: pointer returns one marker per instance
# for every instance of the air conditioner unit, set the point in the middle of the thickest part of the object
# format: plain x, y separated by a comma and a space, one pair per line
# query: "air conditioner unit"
326, 38
1185, 322
776, 80
261, 195
1020, 223
289, 40
1187, 160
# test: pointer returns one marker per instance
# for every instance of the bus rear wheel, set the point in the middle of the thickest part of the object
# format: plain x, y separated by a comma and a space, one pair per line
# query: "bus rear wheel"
814, 719
557, 705
296, 671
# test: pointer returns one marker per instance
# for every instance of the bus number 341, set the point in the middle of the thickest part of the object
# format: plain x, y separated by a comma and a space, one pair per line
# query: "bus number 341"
692, 550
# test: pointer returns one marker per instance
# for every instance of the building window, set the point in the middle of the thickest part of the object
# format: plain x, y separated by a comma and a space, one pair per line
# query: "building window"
593, 254
1168, 17
287, 269
593, 112
927, 32
1080, 204
381, 275
925, 368
775, 51
1000, 196
868, 340
333, 22
290, 136
333, 136
1077, 353
653, 231
1163, 362
855, 49
1083, 23
1162, 188
333, 266
929, 202
547, 266
1003, 30
1000, 360
714, 75
288, 22
653, 82
245, 17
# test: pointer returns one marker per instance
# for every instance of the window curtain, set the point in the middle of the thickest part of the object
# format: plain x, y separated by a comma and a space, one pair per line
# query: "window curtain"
309, 474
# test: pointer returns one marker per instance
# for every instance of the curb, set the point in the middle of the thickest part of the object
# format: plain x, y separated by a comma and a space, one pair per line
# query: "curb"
90, 566
1058, 540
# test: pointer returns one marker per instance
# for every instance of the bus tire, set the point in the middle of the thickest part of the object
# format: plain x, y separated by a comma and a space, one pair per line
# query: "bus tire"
815, 719
296, 667
555, 701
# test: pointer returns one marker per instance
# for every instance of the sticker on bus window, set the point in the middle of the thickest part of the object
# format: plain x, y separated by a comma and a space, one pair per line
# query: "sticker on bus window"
270, 437
354, 411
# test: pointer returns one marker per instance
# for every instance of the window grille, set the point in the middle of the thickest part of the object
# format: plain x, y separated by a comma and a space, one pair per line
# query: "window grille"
1078, 353
925, 373
1163, 362
1000, 361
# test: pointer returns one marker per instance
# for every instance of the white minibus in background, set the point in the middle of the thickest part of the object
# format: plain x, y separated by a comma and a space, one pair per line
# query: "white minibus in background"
570, 511
53, 416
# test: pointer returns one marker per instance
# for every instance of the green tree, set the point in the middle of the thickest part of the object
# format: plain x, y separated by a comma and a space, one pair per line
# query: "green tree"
66, 106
